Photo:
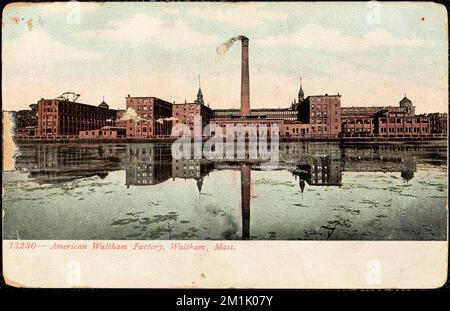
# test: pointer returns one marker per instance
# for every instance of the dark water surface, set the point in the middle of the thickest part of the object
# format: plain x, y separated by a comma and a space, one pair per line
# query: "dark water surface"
319, 191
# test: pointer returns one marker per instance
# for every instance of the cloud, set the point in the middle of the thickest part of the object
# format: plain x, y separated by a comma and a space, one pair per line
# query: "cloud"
320, 38
64, 8
140, 28
238, 14
37, 49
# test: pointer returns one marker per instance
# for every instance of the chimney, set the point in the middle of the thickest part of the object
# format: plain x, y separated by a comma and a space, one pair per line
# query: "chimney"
245, 83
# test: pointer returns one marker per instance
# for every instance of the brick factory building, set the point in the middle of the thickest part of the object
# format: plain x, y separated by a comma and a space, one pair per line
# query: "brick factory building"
249, 123
323, 113
59, 117
396, 121
314, 116
360, 120
185, 113
400, 124
155, 117
295, 129
105, 132
260, 113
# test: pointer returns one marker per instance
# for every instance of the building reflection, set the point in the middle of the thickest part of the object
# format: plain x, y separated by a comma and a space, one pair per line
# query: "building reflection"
150, 164
147, 164
52, 164
192, 169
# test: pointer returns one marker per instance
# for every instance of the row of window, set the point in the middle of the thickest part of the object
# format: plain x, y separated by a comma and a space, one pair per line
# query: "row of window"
140, 100
403, 130
296, 130
363, 121
320, 121
356, 130
143, 108
399, 120
323, 106
250, 124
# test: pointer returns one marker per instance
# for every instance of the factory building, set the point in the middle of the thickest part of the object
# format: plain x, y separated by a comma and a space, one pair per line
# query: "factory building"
314, 116
154, 117
396, 121
61, 117
399, 124
323, 113
106, 132
185, 113
260, 113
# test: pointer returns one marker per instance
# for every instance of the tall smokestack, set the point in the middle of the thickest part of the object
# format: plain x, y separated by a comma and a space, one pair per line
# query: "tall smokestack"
245, 83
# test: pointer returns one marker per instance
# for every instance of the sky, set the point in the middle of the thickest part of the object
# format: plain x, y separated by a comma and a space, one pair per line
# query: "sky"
369, 52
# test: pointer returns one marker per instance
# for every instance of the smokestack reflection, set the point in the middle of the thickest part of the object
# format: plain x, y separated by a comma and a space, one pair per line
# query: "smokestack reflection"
245, 200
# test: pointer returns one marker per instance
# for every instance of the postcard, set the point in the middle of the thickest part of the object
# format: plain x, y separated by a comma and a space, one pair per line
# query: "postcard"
225, 145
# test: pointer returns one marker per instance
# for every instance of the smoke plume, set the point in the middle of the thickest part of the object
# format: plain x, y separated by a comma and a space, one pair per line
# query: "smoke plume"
131, 114
224, 47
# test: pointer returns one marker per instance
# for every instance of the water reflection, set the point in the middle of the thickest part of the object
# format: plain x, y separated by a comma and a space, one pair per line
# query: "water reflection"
315, 165
151, 164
